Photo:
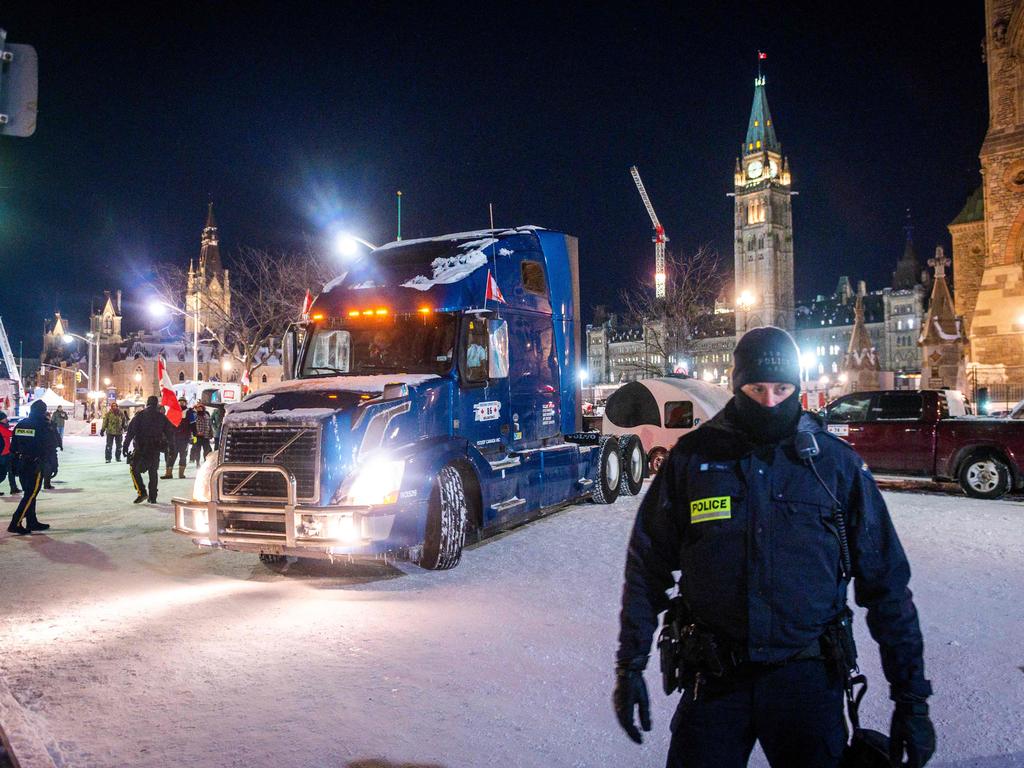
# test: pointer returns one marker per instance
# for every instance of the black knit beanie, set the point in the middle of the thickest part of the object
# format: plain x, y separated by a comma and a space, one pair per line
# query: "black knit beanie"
765, 354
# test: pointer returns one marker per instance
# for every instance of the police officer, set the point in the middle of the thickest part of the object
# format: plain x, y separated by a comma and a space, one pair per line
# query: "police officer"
755, 535
34, 442
147, 436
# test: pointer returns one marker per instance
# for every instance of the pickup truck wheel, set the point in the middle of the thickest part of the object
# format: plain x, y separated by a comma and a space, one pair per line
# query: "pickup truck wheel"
632, 461
985, 477
446, 522
609, 471
655, 459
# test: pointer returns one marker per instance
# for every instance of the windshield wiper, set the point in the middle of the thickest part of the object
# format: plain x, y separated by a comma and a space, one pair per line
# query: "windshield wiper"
326, 368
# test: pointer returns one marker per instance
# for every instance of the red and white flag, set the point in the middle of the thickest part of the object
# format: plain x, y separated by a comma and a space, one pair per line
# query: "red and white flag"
167, 397
307, 304
761, 55
245, 376
493, 291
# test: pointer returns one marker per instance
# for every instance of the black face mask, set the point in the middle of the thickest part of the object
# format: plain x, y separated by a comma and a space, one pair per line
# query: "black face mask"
768, 425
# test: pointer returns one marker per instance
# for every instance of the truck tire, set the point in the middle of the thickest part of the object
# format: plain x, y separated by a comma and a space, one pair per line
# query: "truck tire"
655, 459
446, 522
984, 476
276, 563
633, 463
609, 471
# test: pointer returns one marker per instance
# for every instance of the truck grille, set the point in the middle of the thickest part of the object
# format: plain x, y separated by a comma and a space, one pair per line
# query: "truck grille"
263, 445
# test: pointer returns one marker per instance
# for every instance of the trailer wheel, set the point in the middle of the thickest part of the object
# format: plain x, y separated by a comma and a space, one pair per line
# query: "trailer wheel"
609, 471
655, 459
633, 463
446, 522
984, 476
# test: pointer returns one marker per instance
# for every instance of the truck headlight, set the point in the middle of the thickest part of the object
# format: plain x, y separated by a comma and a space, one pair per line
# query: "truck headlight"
378, 482
202, 489
195, 519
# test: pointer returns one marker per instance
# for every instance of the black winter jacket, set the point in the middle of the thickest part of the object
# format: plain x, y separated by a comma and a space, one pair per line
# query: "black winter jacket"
753, 533
149, 431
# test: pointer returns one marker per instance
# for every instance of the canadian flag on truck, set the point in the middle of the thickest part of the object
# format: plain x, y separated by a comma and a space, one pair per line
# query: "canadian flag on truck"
307, 304
167, 397
493, 291
245, 382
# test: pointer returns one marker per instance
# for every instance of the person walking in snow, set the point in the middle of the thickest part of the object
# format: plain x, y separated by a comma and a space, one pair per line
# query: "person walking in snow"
113, 427
33, 443
179, 443
768, 518
202, 433
146, 438
59, 419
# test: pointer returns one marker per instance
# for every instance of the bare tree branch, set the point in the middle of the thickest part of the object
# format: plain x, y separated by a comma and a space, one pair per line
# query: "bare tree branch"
267, 290
671, 325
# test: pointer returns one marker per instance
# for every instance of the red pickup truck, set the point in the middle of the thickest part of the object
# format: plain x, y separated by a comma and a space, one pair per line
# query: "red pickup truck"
929, 433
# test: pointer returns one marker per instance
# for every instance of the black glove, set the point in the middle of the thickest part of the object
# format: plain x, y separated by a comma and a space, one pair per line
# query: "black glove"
631, 691
101, 433
911, 732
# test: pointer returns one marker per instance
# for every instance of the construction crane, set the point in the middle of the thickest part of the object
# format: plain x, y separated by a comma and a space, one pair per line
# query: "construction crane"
659, 240
12, 365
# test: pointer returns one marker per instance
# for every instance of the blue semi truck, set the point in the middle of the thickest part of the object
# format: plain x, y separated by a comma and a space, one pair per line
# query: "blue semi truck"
431, 399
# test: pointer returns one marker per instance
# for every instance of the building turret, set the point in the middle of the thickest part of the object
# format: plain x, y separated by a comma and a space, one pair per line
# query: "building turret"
861, 365
942, 339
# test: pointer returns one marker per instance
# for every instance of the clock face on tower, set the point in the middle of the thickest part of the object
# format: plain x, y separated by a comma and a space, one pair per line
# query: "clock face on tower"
754, 168
773, 168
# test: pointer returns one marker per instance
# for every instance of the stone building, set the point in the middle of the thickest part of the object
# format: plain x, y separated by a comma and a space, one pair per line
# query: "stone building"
988, 235
861, 366
208, 295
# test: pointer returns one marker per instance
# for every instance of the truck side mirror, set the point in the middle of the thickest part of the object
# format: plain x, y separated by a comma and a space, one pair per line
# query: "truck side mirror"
498, 359
289, 353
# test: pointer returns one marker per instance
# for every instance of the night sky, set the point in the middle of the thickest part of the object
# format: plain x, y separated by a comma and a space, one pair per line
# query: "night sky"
296, 119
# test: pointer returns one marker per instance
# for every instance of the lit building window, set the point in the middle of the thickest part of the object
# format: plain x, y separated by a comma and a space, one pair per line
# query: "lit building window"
758, 143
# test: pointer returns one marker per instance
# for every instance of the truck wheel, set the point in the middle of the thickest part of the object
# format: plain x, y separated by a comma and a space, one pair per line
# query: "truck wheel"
985, 477
655, 459
609, 471
446, 522
632, 461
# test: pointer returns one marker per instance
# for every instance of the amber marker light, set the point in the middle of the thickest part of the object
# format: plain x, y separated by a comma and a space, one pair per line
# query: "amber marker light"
353, 313
381, 312
318, 316
424, 310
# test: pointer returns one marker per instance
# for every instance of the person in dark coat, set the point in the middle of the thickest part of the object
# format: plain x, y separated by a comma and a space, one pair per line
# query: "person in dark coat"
146, 438
754, 533
34, 441
202, 433
180, 442
52, 465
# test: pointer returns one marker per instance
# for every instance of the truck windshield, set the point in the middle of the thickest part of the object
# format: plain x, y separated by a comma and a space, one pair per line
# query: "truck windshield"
400, 343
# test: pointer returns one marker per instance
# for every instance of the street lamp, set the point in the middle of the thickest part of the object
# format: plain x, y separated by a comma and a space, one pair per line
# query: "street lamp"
348, 244
92, 341
807, 361
158, 307
744, 303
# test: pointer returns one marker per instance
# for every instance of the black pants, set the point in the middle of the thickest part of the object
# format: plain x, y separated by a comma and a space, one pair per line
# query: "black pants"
31, 481
794, 711
201, 444
178, 451
149, 463
113, 440
12, 476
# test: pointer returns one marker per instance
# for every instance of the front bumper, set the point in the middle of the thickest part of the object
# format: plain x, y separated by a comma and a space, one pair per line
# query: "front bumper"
283, 527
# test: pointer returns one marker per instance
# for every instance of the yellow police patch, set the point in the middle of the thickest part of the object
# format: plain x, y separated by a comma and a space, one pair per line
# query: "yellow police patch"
25, 431
711, 508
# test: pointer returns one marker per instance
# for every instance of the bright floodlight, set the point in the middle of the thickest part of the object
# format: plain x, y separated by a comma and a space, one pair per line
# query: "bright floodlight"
346, 244
157, 308
67, 338
808, 360
226, 365
584, 376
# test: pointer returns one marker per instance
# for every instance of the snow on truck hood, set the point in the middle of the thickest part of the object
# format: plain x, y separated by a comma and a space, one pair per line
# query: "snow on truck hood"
314, 399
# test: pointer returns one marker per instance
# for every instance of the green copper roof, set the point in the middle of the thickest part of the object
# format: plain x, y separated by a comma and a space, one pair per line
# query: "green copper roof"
974, 209
760, 129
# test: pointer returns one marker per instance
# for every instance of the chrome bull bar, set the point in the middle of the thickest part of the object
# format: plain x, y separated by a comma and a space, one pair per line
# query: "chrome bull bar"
288, 507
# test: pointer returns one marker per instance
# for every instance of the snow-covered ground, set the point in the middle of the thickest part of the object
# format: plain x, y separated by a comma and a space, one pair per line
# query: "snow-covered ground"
124, 645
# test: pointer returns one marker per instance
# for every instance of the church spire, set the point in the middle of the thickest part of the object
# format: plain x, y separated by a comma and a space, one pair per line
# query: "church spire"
760, 129
209, 254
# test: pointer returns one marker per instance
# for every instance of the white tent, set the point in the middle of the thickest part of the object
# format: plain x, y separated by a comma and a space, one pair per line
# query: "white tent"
52, 399
127, 402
